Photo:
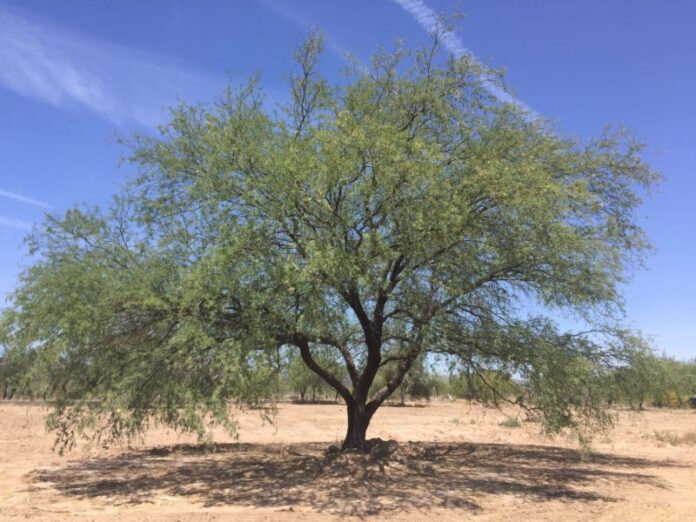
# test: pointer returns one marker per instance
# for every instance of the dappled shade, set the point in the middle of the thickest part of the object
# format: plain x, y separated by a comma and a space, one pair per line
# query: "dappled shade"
454, 476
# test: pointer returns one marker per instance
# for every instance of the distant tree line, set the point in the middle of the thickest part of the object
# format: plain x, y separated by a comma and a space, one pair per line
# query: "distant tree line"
651, 380
19, 378
644, 380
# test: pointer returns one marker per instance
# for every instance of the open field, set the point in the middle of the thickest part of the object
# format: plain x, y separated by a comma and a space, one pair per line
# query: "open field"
459, 464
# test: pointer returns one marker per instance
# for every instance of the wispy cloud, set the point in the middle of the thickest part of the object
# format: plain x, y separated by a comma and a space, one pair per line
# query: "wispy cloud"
63, 68
429, 20
15, 223
24, 199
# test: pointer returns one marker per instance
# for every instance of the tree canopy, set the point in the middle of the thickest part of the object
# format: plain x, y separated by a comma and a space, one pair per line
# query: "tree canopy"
399, 212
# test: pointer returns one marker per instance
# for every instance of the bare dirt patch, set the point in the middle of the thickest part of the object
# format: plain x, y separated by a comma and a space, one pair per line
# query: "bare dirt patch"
454, 461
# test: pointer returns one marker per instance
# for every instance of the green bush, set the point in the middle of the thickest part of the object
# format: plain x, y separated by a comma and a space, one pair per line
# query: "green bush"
511, 422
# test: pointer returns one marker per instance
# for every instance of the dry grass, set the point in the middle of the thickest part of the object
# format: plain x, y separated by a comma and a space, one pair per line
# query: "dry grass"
511, 422
676, 439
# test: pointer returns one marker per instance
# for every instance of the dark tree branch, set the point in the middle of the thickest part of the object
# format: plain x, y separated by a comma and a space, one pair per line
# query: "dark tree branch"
347, 356
303, 344
402, 369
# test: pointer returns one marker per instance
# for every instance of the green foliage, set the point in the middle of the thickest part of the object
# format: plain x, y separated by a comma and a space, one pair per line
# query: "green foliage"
486, 386
511, 422
400, 212
14, 374
649, 379
418, 383
675, 382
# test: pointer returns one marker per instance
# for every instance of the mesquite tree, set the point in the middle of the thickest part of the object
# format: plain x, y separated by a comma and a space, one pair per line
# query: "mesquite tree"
399, 212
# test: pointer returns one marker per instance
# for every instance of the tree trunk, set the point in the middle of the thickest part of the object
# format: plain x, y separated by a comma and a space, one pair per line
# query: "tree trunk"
470, 384
359, 410
358, 421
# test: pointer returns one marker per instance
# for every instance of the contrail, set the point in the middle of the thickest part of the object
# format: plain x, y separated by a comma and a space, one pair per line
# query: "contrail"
24, 199
428, 19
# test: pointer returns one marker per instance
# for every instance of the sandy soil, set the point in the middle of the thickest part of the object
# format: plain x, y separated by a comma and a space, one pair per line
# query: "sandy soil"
457, 463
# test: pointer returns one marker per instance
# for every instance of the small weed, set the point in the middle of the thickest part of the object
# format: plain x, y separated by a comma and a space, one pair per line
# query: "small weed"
455, 420
675, 439
511, 422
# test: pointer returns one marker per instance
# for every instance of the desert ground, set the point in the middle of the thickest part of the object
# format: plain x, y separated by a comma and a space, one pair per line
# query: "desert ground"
456, 463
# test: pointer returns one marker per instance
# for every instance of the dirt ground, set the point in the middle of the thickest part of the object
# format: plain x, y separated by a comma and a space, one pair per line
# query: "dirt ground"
456, 463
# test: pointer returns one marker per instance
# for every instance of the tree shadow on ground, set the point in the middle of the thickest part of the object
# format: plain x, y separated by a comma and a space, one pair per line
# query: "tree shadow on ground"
422, 476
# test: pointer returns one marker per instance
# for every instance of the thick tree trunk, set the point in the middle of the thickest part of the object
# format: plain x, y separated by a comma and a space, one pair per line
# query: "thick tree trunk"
358, 421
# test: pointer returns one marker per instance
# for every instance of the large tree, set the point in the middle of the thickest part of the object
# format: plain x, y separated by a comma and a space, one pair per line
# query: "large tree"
402, 211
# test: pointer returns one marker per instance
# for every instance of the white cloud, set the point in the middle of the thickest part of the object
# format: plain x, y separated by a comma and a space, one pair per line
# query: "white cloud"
62, 68
24, 199
15, 223
428, 19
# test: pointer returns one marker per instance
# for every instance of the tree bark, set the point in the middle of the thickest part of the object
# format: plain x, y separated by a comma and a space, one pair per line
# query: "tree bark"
358, 421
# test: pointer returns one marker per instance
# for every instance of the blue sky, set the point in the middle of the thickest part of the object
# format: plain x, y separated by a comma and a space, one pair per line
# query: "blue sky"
74, 73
